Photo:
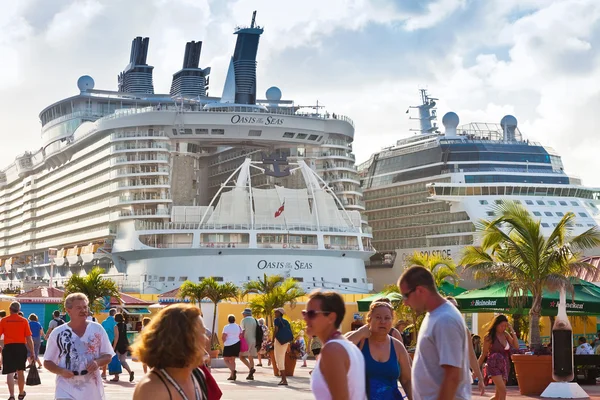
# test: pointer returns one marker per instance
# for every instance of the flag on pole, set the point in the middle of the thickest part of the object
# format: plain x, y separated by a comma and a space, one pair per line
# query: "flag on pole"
280, 210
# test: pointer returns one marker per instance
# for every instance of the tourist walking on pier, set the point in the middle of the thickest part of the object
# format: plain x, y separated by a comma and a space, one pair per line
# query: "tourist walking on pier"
282, 337
386, 358
263, 347
75, 353
17, 340
497, 345
231, 345
109, 325
340, 369
121, 346
37, 332
173, 345
249, 326
441, 366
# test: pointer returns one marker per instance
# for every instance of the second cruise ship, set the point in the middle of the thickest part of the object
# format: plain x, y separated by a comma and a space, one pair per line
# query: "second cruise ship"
425, 193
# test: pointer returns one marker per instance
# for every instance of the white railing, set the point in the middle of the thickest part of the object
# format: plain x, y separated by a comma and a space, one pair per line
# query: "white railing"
145, 225
224, 109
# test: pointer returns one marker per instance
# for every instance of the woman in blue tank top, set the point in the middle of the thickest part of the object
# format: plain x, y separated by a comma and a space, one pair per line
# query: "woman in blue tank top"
386, 358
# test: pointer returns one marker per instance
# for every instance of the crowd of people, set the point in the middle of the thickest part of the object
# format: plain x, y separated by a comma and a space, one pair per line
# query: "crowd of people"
368, 362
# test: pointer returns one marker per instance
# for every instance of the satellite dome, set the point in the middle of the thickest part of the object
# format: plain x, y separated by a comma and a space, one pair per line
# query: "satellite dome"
273, 93
85, 83
508, 121
450, 120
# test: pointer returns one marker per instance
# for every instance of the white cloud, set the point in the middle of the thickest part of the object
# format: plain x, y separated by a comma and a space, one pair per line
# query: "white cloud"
70, 22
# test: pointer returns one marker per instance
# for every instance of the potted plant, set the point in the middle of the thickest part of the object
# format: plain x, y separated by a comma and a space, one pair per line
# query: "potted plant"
514, 250
215, 349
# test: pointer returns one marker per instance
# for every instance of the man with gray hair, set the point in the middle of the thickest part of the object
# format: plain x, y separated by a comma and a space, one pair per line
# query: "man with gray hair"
76, 351
17, 340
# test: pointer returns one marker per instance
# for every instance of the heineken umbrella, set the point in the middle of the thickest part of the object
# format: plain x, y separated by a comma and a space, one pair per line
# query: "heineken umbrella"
493, 298
364, 304
449, 289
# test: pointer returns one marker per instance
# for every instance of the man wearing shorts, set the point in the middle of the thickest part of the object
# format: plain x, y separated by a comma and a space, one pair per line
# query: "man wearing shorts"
17, 339
249, 325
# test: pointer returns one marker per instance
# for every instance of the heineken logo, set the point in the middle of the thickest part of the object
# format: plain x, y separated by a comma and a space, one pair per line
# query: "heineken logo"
575, 306
483, 303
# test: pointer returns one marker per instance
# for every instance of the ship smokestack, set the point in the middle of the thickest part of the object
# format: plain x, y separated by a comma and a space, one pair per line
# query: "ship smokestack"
137, 76
191, 80
240, 85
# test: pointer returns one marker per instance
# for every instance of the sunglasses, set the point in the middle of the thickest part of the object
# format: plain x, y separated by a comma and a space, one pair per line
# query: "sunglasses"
312, 314
80, 373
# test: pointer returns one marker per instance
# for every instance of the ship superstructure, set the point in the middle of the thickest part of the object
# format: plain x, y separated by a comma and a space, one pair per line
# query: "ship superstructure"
426, 193
111, 159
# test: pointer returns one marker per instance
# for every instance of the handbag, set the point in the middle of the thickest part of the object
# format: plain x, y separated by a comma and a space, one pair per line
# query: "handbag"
243, 344
114, 367
284, 333
214, 392
33, 376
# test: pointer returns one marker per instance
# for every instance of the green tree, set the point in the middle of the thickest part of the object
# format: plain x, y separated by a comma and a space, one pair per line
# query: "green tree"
514, 250
271, 292
212, 290
441, 268
95, 287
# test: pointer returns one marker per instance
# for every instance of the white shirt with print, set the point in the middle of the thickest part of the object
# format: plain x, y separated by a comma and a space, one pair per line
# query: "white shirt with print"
69, 351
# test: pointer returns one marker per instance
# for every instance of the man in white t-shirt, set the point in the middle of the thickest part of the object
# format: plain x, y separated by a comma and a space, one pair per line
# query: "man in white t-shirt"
76, 351
249, 325
440, 368
584, 347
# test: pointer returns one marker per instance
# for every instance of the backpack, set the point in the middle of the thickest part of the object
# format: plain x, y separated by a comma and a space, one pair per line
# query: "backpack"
259, 335
59, 321
284, 334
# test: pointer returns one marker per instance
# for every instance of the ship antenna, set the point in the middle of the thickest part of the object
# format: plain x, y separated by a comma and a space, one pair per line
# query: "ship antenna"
253, 19
427, 114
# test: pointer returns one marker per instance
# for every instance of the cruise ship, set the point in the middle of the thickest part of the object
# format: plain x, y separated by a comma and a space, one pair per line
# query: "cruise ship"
426, 193
162, 188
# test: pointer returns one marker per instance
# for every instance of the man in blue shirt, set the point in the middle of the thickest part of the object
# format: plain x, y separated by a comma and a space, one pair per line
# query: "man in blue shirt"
109, 326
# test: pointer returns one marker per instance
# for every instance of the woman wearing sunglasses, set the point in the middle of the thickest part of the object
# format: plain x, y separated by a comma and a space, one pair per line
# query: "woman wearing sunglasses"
340, 370
386, 358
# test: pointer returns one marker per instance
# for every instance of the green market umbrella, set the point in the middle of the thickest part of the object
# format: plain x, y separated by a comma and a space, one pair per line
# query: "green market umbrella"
364, 304
448, 289
493, 298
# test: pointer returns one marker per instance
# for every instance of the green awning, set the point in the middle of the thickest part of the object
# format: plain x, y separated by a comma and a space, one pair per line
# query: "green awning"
364, 304
493, 298
449, 289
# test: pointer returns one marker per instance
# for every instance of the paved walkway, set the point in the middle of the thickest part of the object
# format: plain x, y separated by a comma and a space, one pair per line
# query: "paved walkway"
264, 387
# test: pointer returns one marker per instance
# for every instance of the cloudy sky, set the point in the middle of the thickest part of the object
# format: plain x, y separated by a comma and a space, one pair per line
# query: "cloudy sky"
536, 59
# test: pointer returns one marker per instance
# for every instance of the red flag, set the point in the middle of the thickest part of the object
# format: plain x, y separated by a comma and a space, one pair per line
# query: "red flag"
280, 210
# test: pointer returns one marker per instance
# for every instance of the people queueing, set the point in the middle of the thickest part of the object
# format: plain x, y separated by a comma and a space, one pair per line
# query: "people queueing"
441, 365
76, 351
17, 341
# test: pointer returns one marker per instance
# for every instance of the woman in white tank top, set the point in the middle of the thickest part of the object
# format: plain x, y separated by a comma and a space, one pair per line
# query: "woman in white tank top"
340, 370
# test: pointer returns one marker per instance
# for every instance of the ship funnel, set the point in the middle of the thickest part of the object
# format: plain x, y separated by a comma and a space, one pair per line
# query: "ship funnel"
137, 76
450, 122
509, 127
191, 80
240, 84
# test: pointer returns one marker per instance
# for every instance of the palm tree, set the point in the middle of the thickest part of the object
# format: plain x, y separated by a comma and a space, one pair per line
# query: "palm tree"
514, 250
441, 268
95, 287
272, 292
210, 289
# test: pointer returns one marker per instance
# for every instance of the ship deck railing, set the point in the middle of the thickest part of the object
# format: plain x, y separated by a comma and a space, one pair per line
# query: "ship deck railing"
225, 109
147, 225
